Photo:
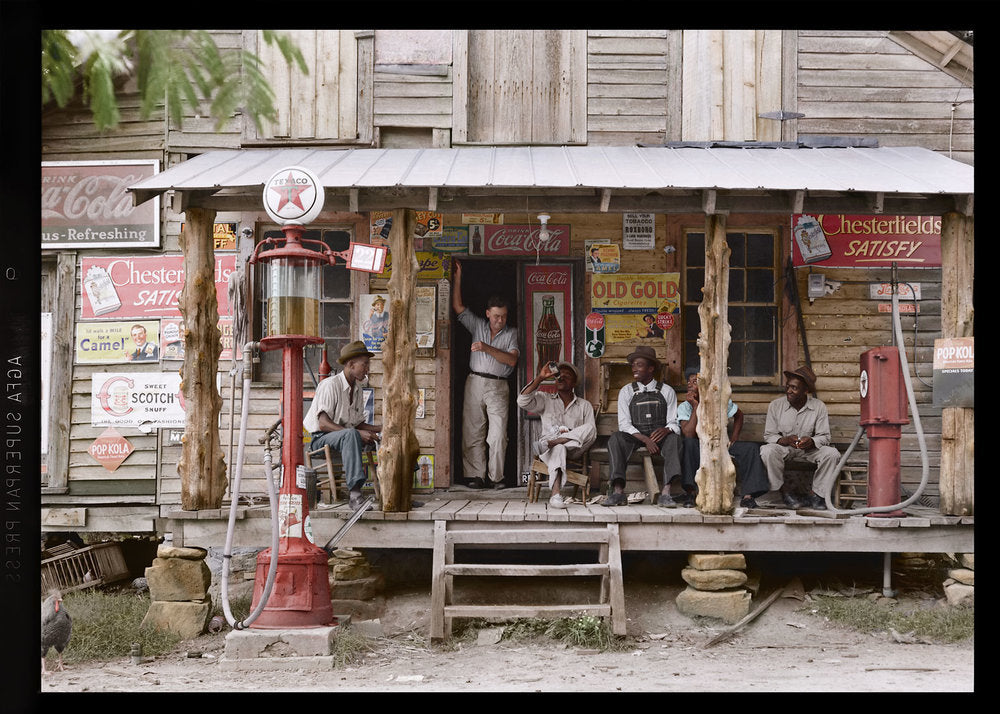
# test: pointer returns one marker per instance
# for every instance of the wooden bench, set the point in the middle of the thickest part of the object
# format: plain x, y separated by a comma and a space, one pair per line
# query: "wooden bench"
611, 597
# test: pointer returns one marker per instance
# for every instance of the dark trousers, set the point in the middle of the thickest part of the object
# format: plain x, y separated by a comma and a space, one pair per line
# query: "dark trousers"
750, 473
621, 446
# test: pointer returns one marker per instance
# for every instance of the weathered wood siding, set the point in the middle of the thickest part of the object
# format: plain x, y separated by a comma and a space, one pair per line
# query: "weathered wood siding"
864, 84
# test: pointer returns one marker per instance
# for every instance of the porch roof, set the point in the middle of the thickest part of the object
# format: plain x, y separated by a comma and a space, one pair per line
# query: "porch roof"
684, 178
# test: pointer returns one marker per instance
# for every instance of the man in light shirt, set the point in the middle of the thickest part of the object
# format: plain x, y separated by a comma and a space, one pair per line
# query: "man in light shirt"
336, 417
568, 427
797, 428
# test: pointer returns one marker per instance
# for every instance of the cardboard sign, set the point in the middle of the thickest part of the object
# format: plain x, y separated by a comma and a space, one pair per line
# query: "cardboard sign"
954, 372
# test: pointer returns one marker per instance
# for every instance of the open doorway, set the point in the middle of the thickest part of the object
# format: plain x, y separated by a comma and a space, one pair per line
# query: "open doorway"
482, 278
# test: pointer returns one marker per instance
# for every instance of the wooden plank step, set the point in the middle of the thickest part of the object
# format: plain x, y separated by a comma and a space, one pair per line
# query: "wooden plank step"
532, 535
526, 610
572, 569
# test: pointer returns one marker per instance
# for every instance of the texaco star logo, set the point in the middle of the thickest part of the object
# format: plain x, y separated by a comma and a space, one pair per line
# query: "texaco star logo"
289, 192
293, 195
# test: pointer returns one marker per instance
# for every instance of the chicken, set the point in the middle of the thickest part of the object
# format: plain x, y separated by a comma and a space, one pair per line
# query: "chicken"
56, 627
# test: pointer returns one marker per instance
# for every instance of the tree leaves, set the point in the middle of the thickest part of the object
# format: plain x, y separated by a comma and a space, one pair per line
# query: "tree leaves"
183, 71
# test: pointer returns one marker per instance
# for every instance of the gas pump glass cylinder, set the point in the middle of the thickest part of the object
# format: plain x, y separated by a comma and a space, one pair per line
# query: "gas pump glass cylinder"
293, 288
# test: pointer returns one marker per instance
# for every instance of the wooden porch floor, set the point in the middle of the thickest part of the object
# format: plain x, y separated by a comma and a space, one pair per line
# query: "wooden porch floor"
643, 527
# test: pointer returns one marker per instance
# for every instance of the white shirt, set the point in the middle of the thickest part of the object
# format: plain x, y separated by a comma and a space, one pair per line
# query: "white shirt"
577, 417
625, 395
333, 397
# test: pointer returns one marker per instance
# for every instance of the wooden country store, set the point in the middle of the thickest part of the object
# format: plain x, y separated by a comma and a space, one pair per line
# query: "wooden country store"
673, 213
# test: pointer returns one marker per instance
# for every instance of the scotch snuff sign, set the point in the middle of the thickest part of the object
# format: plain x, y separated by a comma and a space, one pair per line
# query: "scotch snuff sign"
293, 195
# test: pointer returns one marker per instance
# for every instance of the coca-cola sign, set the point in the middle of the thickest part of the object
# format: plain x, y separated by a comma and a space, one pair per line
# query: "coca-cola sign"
522, 239
86, 204
549, 303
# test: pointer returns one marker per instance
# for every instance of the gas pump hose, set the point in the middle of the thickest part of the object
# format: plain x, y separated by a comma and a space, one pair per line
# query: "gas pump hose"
925, 473
248, 349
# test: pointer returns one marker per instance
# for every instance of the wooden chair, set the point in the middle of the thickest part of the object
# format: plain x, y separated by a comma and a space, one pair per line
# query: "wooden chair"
579, 479
329, 474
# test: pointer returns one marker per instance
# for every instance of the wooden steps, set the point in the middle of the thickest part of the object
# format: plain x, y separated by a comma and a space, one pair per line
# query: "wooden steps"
604, 539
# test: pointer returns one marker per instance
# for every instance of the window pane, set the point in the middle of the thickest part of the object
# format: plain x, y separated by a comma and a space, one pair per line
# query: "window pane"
760, 285
696, 249
737, 257
760, 323
760, 359
692, 323
736, 358
695, 282
736, 285
691, 356
737, 318
760, 250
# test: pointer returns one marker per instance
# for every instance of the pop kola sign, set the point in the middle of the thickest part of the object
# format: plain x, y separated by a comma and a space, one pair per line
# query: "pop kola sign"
865, 241
110, 449
86, 204
127, 287
523, 240
151, 400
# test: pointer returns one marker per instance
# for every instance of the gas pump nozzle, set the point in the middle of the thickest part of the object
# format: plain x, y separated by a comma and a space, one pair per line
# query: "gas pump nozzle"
331, 544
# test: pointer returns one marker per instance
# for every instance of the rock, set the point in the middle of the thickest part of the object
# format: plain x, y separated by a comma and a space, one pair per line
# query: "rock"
372, 609
174, 551
140, 584
713, 579
717, 561
963, 575
348, 571
185, 619
178, 579
968, 560
959, 595
359, 589
728, 605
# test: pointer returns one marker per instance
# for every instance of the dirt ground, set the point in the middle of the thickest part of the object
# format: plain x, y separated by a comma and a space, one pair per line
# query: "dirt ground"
786, 649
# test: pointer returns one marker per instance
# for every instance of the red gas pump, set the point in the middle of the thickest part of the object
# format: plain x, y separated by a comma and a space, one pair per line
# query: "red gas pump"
300, 594
883, 412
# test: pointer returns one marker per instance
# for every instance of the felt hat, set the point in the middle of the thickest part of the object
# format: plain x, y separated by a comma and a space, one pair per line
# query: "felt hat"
352, 350
646, 352
571, 367
806, 375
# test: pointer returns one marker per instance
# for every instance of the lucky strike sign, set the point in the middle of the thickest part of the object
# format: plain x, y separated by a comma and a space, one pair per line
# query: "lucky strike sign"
85, 204
837, 240
128, 287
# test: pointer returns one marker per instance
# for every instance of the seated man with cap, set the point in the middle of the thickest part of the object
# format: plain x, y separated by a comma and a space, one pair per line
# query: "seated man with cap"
568, 427
745, 454
647, 416
797, 428
336, 417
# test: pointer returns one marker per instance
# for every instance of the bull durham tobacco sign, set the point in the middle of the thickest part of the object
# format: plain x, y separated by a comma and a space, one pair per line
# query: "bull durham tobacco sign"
85, 204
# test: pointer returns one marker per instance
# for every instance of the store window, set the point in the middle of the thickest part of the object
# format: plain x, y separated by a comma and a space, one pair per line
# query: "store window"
753, 304
336, 307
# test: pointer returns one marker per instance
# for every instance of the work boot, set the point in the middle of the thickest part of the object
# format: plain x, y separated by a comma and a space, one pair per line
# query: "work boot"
355, 500
477, 483
791, 501
816, 502
666, 501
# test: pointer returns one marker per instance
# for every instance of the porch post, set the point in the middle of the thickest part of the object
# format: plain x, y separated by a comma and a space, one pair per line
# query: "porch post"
958, 465
397, 456
716, 475
201, 465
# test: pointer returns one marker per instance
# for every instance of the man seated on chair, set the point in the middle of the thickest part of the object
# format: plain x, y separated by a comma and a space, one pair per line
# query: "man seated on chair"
797, 428
746, 454
568, 427
336, 417
647, 416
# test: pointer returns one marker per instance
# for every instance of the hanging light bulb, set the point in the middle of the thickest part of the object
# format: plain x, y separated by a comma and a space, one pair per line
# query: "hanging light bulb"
543, 232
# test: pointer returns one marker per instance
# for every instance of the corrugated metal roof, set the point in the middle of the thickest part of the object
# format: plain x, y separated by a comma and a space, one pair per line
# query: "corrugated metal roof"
904, 170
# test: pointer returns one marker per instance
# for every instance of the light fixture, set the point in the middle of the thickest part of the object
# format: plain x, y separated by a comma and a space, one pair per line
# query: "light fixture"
543, 232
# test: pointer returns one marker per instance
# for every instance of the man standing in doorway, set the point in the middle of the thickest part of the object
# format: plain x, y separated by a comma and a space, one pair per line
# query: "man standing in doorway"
484, 412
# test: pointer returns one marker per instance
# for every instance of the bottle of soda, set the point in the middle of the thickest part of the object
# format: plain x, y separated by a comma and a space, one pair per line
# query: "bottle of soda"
548, 336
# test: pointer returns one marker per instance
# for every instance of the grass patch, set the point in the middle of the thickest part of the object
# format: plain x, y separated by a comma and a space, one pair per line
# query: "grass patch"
105, 624
938, 624
587, 631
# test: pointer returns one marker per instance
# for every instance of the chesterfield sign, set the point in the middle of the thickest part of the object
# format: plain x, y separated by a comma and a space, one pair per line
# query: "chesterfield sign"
85, 204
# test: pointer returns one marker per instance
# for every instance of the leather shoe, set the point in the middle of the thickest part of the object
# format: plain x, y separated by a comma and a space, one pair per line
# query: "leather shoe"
748, 502
816, 502
477, 483
791, 501
666, 501
617, 498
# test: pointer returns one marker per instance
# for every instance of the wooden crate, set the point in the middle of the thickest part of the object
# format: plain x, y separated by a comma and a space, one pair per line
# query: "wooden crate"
79, 568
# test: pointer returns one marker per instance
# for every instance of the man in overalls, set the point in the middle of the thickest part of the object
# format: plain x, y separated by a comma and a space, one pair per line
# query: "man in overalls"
647, 416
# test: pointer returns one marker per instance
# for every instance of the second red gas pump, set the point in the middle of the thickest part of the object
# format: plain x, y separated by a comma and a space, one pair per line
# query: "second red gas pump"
883, 412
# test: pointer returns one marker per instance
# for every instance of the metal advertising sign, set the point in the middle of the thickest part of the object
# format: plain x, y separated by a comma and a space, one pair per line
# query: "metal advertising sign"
129, 287
117, 342
151, 400
522, 239
293, 195
955, 372
875, 241
85, 204
636, 306
549, 318
110, 449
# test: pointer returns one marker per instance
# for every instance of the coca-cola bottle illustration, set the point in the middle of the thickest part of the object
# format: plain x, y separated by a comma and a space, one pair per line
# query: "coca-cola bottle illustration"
477, 241
548, 336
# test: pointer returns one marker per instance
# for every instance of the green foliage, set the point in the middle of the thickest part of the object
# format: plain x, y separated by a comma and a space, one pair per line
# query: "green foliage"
179, 69
938, 624
105, 624
586, 631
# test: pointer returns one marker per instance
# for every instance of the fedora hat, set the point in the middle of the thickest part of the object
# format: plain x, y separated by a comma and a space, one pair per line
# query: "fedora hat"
806, 375
352, 350
646, 352
571, 367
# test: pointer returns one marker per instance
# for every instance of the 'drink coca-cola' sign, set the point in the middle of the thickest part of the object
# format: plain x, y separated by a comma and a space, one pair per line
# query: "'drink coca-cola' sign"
523, 240
549, 319
86, 204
